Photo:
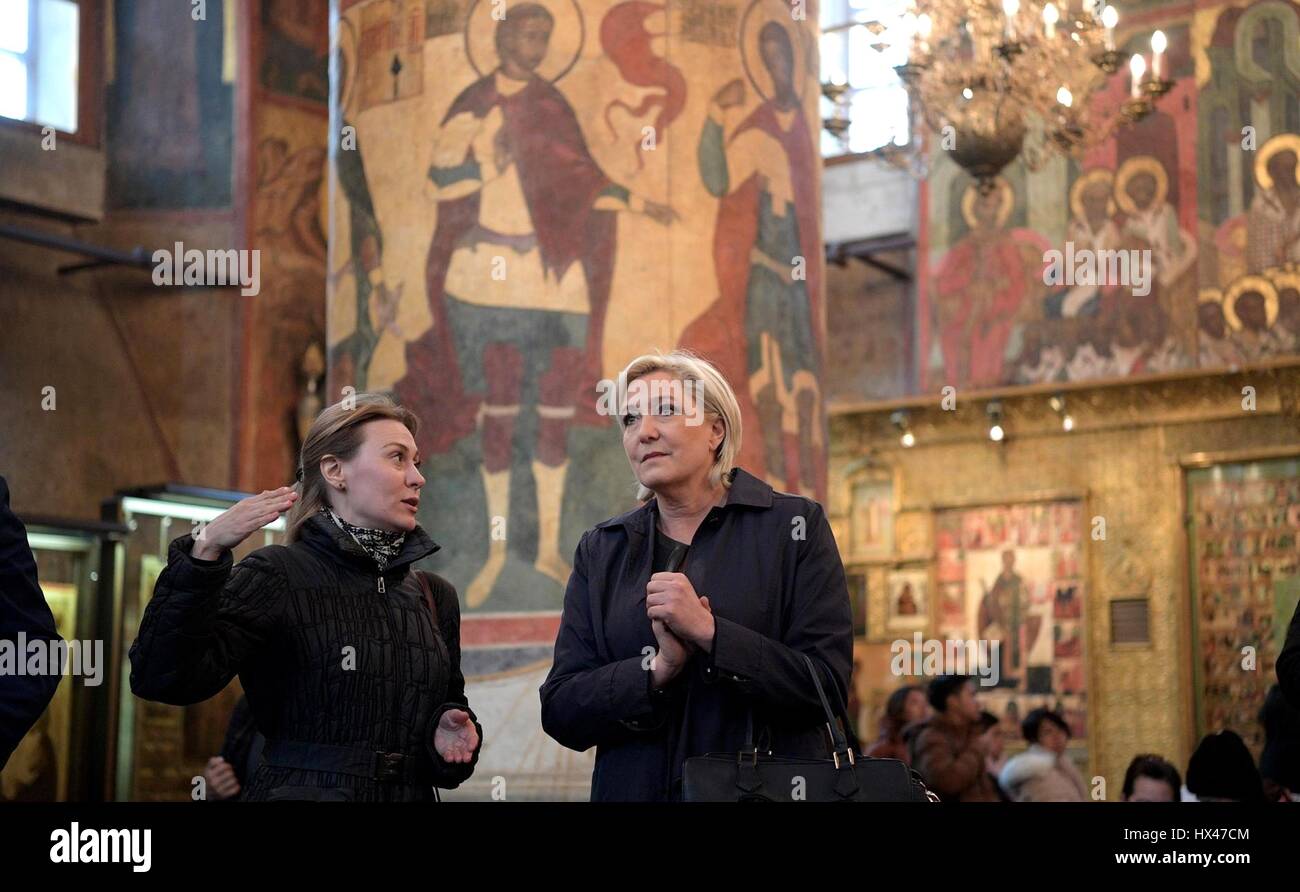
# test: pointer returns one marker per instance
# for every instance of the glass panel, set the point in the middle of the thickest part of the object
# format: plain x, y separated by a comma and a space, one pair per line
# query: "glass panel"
13, 26
879, 116
57, 42
833, 12
865, 61
835, 57
13, 87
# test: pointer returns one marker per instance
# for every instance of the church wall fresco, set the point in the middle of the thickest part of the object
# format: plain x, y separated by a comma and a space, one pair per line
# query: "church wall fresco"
526, 196
1206, 187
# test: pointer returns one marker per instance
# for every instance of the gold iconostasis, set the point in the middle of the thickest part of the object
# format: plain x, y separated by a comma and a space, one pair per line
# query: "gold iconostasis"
1139, 569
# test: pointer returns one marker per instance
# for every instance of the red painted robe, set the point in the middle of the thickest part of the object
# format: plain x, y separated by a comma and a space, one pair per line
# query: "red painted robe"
718, 334
561, 182
973, 264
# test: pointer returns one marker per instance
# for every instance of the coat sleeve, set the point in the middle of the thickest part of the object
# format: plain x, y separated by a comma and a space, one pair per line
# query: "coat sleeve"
450, 775
1288, 662
945, 773
771, 672
22, 609
587, 701
204, 621
241, 730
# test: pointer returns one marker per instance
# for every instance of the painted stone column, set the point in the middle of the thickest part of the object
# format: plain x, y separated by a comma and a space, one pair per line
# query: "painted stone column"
524, 197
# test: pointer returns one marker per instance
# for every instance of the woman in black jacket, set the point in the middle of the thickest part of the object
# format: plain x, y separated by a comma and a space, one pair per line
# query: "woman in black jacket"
654, 666
351, 664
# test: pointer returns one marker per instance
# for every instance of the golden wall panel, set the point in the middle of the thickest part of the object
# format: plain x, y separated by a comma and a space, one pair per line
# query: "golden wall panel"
1123, 459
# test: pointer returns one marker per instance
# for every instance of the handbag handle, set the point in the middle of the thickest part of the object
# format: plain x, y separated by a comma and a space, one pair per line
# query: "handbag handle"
845, 741
838, 739
842, 712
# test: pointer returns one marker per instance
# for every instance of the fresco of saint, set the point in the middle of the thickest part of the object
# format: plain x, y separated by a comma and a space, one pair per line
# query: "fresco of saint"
979, 289
518, 277
765, 328
1273, 222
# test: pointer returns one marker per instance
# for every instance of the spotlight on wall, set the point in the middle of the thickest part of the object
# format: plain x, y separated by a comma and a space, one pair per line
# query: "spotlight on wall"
1057, 402
994, 410
901, 421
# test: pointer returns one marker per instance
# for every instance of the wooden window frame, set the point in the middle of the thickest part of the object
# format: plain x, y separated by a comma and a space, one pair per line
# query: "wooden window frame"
90, 80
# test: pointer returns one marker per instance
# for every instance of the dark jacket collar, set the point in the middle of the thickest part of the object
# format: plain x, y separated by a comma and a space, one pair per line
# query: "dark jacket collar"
746, 491
322, 534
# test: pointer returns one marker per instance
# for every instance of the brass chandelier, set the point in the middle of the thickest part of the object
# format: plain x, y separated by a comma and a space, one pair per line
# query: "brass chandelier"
998, 79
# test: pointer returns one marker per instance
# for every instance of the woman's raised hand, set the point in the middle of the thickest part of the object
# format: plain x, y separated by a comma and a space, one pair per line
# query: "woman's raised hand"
240, 521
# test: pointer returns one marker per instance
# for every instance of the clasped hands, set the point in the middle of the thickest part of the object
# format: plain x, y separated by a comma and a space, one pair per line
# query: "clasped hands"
682, 623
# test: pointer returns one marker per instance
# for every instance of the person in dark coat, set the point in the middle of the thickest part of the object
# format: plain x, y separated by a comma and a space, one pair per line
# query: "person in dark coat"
22, 610
1223, 770
1288, 661
656, 663
1279, 763
350, 665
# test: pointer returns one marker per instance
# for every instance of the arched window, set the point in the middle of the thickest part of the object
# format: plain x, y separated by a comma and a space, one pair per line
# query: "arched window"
38, 62
862, 41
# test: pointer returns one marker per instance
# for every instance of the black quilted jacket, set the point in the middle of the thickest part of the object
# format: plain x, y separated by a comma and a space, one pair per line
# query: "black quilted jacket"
328, 652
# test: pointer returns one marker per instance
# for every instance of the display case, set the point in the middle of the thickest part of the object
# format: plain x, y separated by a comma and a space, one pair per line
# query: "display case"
161, 749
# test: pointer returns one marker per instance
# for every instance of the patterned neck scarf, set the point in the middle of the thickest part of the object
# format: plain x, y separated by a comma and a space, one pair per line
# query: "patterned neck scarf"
382, 545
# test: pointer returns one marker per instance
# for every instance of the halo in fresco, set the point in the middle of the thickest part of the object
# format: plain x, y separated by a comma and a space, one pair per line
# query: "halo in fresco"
1008, 200
759, 13
1283, 141
1285, 277
1240, 287
1140, 164
1096, 175
565, 46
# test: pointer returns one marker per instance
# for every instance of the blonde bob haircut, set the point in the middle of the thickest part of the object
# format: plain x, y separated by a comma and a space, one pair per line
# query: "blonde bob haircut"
719, 402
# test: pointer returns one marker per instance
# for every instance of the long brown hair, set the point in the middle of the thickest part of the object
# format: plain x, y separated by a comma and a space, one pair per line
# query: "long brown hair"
337, 431
895, 717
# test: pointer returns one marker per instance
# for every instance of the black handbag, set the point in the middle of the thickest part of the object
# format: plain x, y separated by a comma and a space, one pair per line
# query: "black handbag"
847, 776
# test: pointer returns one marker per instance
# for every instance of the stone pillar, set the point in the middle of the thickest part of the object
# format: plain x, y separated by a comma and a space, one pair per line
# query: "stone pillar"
527, 195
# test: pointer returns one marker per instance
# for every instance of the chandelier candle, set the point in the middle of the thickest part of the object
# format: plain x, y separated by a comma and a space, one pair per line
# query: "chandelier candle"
1110, 18
1158, 46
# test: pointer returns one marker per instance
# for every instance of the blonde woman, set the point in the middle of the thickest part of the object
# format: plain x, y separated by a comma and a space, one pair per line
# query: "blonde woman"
728, 625
350, 661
